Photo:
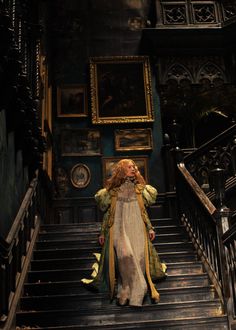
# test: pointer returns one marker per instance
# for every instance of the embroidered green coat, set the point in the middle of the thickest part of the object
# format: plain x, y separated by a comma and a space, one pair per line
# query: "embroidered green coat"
106, 277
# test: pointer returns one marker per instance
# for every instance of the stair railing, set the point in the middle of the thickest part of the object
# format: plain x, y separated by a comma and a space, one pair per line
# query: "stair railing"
218, 152
16, 250
229, 240
206, 224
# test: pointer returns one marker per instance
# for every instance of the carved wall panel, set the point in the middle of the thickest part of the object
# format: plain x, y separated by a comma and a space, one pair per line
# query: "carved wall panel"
189, 13
195, 69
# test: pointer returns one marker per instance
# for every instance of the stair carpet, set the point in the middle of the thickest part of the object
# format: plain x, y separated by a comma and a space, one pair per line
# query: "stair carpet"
54, 298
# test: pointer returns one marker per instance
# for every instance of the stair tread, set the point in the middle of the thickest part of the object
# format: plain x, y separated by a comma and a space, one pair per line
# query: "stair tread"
125, 309
78, 269
130, 324
169, 264
99, 295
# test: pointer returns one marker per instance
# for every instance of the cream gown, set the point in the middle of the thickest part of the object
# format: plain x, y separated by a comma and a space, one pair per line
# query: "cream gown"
129, 245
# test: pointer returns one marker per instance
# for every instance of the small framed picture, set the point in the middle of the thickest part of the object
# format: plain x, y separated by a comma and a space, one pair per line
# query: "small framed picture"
133, 139
80, 176
108, 164
72, 101
80, 142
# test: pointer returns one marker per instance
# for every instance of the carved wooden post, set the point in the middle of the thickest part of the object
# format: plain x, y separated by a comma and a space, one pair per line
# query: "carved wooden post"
175, 132
218, 185
176, 157
222, 216
168, 164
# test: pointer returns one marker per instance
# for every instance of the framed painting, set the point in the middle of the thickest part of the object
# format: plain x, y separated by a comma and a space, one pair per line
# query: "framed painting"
80, 142
80, 176
121, 89
133, 139
108, 164
72, 101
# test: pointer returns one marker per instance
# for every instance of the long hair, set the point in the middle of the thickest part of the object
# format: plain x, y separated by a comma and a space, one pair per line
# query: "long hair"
119, 174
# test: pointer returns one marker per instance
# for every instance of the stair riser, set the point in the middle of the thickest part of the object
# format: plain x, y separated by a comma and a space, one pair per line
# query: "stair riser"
83, 250
96, 225
76, 264
87, 261
73, 287
70, 227
83, 239
70, 275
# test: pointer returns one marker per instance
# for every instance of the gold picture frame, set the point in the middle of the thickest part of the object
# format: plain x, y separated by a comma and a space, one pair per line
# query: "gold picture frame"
80, 176
133, 139
108, 164
72, 101
121, 89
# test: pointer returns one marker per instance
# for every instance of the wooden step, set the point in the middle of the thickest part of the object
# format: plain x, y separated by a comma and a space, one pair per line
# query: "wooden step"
96, 300
170, 256
76, 286
85, 239
110, 314
95, 226
93, 246
188, 323
76, 263
75, 274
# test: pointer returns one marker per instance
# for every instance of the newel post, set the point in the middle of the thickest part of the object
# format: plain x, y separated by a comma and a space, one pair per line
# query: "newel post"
223, 212
222, 216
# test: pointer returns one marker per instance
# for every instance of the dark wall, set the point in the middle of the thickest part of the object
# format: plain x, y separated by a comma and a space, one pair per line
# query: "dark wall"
79, 30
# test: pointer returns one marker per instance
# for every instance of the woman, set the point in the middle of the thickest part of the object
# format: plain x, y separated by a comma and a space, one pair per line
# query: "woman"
128, 262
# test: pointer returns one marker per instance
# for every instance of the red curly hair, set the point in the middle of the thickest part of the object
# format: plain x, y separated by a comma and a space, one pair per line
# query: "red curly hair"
119, 174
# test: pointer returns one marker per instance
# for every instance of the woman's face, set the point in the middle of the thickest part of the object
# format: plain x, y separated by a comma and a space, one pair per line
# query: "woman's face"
130, 169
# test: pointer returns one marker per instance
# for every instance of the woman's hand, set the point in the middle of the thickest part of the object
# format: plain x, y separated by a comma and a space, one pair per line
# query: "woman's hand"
152, 234
101, 240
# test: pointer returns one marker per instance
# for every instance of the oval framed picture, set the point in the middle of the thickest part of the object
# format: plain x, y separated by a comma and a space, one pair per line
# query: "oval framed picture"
80, 176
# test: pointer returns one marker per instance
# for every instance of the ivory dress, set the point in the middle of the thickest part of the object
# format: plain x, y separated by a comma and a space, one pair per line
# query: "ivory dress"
129, 261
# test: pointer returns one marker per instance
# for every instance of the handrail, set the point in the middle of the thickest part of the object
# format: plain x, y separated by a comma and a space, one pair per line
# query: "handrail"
22, 211
230, 235
215, 141
197, 190
215, 247
201, 180
16, 249
218, 152
197, 215
229, 239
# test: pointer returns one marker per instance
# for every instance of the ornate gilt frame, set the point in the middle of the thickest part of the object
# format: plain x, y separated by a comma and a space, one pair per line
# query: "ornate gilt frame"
80, 176
121, 89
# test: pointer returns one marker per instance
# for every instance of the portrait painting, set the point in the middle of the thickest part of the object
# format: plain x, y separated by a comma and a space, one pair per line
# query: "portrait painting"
80, 142
72, 101
121, 89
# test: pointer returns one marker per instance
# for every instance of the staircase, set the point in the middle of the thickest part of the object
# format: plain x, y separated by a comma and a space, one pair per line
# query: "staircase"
54, 298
